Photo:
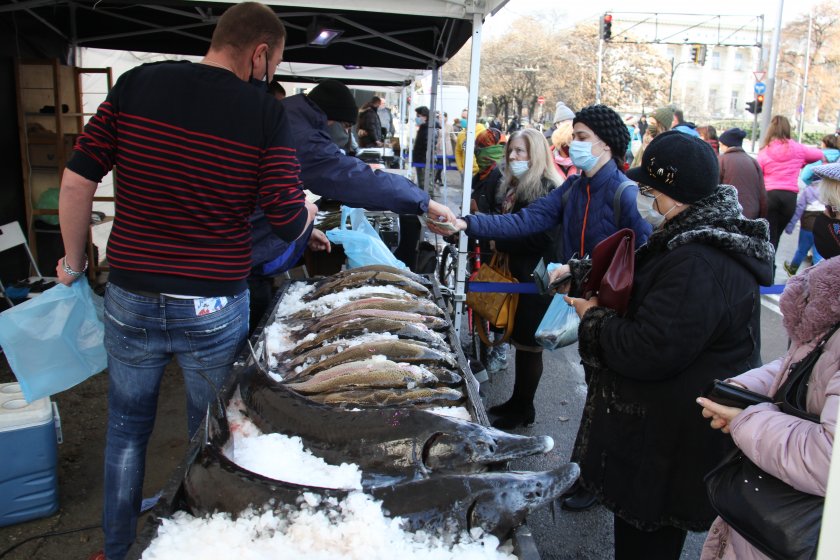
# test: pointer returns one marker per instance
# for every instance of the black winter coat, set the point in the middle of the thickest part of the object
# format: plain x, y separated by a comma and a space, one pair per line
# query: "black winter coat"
643, 445
524, 254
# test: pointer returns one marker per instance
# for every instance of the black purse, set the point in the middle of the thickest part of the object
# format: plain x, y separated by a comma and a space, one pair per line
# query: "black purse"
782, 522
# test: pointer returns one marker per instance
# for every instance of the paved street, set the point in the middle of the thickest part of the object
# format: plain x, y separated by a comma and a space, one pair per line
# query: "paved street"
588, 535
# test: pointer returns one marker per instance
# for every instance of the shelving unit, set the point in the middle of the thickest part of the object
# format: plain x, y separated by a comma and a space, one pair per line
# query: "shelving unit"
47, 139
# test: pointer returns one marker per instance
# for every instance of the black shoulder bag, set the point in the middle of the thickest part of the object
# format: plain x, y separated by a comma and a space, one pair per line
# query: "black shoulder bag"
780, 521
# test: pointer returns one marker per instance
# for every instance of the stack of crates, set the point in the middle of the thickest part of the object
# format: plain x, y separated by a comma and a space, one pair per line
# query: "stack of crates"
29, 434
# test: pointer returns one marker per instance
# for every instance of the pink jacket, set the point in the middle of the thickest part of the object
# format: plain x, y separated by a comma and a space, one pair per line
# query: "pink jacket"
781, 162
794, 450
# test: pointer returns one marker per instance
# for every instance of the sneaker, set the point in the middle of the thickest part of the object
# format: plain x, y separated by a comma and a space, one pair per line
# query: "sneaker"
496, 362
790, 269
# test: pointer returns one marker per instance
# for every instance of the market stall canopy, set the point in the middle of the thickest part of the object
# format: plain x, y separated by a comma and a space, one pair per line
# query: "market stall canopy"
380, 33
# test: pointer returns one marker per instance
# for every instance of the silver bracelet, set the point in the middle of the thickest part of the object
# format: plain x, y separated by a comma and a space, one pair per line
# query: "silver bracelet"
69, 271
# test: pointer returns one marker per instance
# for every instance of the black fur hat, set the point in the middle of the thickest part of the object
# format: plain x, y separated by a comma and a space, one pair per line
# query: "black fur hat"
608, 126
683, 167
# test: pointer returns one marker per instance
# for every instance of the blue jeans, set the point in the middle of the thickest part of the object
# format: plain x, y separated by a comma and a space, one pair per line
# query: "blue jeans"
806, 242
142, 333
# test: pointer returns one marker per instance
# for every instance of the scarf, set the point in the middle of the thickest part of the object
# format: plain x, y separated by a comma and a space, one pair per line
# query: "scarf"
487, 159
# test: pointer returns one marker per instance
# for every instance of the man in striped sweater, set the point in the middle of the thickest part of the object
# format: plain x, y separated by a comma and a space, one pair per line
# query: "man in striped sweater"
197, 148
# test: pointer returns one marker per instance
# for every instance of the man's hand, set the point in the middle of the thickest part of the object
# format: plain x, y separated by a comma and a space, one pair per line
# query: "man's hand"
438, 212
458, 223
318, 241
721, 416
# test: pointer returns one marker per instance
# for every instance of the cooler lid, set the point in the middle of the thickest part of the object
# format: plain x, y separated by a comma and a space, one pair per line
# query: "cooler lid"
16, 413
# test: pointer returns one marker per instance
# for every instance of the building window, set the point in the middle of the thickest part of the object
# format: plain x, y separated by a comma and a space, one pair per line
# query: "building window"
739, 61
716, 60
733, 102
669, 53
713, 93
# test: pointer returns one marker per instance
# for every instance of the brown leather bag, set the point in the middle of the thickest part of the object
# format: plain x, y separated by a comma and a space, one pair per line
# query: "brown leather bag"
613, 268
497, 308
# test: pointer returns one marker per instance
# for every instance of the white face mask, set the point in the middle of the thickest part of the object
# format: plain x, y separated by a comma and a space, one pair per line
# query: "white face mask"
518, 167
644, 204
648, 213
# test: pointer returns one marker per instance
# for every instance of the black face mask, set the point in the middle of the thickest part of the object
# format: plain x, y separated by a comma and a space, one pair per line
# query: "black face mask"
827, 236
262, 85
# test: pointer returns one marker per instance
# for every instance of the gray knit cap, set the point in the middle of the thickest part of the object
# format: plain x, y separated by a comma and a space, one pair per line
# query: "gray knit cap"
563, 113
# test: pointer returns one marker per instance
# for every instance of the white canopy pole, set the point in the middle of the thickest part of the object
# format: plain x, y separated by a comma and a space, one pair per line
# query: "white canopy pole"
472, 108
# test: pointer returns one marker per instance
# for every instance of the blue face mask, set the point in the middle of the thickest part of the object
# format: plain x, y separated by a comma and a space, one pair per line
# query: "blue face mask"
518, 167
419, 120
581, 154
463, 123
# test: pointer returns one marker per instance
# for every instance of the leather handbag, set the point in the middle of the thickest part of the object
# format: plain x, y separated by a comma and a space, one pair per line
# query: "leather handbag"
782, 522
496, 307
613, 267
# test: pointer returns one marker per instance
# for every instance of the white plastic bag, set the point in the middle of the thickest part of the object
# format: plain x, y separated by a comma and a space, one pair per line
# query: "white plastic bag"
559, 325
362, 244
54, 341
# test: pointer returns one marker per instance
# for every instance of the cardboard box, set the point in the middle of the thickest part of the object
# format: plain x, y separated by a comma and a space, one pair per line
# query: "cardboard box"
29, 433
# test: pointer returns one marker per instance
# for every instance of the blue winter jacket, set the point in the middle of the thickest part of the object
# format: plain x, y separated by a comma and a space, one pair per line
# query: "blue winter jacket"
548, 211
326, 171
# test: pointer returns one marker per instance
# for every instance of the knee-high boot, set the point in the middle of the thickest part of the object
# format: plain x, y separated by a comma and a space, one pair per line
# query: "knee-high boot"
519, 409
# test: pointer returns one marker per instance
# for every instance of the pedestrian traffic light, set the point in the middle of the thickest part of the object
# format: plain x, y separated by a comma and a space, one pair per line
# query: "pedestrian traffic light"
606, 27
759, 102
751, 107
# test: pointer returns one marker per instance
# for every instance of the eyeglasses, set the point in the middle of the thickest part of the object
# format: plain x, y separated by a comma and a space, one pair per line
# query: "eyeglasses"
646, 191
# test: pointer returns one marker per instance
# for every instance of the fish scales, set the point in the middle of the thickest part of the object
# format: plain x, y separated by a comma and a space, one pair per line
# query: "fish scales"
430, 396
435, 323
394, 350
337, 284
364, 325
367, 373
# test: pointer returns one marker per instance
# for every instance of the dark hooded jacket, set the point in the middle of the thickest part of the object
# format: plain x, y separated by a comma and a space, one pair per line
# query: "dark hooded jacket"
326, 171
643, 445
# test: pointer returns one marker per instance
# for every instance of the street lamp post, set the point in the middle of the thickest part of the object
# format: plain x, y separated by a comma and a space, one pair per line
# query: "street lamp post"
671, 85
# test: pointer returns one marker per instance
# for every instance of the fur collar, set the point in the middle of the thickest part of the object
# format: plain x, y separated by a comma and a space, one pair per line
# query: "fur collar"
716, 221
810, 303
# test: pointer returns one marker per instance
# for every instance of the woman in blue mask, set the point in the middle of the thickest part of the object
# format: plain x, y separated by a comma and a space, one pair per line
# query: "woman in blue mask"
588, 207
529, 175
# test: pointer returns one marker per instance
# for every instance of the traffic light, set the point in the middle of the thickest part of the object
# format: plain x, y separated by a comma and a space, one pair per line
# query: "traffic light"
606, 27
751, 107
759, 103
698, 54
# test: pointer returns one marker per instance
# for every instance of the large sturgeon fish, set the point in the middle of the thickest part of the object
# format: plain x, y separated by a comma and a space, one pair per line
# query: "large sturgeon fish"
399, 441
497, 502
364, 325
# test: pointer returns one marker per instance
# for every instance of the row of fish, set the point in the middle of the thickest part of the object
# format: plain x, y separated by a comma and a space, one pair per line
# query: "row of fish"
372, 348
354, 382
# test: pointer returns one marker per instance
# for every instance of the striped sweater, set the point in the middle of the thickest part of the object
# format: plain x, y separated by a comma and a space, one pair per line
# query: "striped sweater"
196, 150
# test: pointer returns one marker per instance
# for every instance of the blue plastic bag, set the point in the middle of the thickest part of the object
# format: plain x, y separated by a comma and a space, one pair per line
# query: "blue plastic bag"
362, 244
559, 325
54, 341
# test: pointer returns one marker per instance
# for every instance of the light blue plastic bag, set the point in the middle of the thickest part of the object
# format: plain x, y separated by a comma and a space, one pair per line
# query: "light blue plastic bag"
362, 244
559, 325
54, 341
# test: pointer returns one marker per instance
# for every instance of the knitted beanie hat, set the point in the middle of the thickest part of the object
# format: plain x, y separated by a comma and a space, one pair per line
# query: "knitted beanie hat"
664, 116
608, 126
683, 167
334, 99
733, 137
563, 113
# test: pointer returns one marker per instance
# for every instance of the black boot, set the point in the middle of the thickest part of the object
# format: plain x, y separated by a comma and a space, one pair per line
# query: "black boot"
519, 409
579, 499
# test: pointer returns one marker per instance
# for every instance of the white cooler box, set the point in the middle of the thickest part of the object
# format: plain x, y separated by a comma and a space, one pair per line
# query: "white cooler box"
29, 434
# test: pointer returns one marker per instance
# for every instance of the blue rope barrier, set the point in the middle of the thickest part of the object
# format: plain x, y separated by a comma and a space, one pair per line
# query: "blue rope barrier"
531, 288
